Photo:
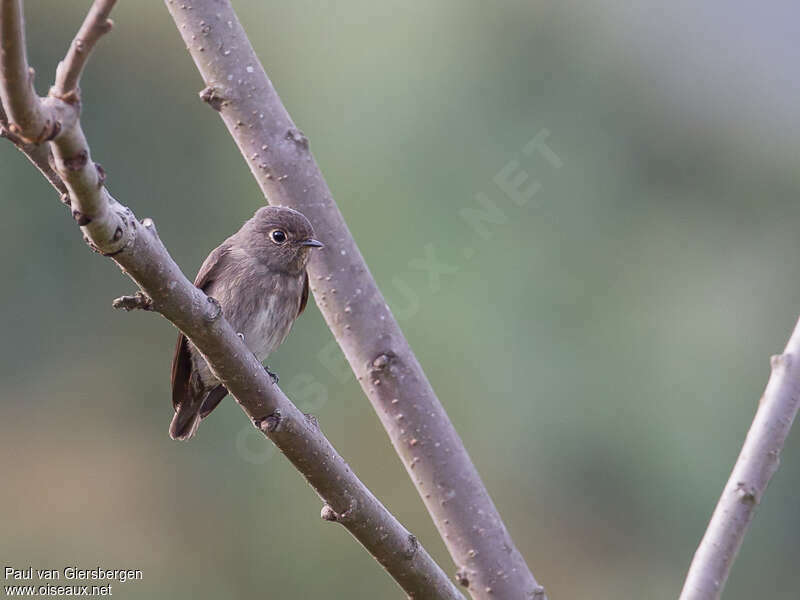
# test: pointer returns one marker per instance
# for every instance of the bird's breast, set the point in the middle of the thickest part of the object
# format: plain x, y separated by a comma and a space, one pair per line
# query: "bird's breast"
263, 309
269, 325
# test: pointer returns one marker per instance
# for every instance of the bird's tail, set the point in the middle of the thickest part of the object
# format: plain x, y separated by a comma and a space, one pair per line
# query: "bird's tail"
189, 412
185, 422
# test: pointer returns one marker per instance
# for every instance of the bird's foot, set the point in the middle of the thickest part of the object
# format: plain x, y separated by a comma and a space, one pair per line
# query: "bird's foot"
273, 376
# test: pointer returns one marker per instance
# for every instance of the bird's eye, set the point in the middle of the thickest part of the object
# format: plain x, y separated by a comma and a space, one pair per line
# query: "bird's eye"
278, 236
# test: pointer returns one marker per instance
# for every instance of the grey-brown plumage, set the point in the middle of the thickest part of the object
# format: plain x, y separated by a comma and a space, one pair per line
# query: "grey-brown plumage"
258, 276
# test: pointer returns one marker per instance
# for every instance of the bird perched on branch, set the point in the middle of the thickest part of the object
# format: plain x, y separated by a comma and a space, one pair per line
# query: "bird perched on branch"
258, 276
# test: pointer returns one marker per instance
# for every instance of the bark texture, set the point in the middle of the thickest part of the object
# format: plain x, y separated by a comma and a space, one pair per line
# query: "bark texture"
278, 155
34, 124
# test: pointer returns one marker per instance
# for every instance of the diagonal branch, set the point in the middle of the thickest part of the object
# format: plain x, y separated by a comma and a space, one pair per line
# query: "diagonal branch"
755, 466
95, 26
354, 309
113, 230
39, 155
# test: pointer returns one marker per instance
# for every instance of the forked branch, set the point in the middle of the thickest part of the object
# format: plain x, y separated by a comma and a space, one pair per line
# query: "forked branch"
34, 123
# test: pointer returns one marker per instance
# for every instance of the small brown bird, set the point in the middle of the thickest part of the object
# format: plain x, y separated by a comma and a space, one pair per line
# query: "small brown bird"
258, 276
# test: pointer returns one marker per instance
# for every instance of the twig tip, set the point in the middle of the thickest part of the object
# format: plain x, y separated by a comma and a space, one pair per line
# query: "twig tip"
139, 301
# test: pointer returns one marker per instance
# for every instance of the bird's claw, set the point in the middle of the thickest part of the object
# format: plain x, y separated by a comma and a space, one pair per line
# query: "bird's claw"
241, 336
273, 376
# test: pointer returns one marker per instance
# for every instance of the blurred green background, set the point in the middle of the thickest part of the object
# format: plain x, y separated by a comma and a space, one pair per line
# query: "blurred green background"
601, 353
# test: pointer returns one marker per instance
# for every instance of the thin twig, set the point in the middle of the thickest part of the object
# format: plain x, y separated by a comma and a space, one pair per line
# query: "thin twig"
755, 466
68, 72
113, 230
348, 297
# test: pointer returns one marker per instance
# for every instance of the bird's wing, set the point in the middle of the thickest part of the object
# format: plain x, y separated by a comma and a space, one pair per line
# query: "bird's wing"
211, 266
181, 371
304, 295
213, 398
182, 360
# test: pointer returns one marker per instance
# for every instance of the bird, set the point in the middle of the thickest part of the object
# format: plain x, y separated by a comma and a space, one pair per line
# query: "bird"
258, 276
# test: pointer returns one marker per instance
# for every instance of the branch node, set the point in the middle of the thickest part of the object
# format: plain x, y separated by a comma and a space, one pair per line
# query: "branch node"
777, 361
81, 219
211, 96
216, 309
101, 175
150, 226
462, 578
381, 367
77, 162
748, 494
298, 137
54, 131
49, 131
270, 423
413, 547
139, 301
328, 514
65, 200
129, 225
72, 97
381, 361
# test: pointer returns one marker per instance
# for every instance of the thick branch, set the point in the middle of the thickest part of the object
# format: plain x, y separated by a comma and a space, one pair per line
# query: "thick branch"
39, 155
755, 466
113, 229
27, 120
356, 312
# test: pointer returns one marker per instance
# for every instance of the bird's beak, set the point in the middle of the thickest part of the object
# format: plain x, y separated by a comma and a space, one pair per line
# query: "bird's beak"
312, 243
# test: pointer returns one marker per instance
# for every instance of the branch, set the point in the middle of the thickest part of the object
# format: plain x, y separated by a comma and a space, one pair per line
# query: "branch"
39, 155
18, 96
113, 230
755, 466
68, 72
356, 312
34, 120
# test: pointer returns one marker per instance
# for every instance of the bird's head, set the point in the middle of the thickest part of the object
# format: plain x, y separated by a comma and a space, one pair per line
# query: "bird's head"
283, 238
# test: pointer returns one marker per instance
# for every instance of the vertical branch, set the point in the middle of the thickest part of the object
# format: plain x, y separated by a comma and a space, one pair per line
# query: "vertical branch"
755, 466
278, 155
27, 120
